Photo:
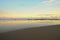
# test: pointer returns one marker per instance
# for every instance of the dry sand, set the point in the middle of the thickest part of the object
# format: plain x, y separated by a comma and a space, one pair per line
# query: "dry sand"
40, 33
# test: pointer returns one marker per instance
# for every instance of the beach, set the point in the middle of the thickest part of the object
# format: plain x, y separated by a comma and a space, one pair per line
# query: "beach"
29, 19
37, 33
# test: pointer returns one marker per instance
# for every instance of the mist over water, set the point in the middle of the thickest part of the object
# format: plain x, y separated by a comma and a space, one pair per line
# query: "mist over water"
11, 25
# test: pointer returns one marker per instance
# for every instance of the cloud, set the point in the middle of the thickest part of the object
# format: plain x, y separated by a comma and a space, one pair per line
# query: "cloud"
49, 5
50, 2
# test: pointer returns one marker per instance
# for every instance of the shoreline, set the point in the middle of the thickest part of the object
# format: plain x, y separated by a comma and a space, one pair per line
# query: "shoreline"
37, 33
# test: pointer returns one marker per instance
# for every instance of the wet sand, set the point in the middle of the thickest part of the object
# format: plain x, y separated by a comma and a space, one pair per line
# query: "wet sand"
37, 33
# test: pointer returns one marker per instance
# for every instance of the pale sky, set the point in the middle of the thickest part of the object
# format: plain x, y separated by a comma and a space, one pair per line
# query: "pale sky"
29, 8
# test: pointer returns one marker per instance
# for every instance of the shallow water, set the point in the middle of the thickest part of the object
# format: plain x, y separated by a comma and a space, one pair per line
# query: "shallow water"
11, 25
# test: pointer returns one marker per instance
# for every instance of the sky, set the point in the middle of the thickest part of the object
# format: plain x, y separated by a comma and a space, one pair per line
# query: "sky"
29, 8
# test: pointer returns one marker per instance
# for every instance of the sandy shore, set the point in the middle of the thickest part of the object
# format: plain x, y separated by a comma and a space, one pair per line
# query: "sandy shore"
40, 33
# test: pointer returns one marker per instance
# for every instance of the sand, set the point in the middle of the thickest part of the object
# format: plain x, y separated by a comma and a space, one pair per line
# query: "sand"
37, 33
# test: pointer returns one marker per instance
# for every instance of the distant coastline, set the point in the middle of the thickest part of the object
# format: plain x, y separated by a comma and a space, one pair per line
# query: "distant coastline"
29, 18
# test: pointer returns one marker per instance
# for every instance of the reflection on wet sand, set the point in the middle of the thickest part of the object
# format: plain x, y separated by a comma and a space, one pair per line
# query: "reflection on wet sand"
29, 21
11, 25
